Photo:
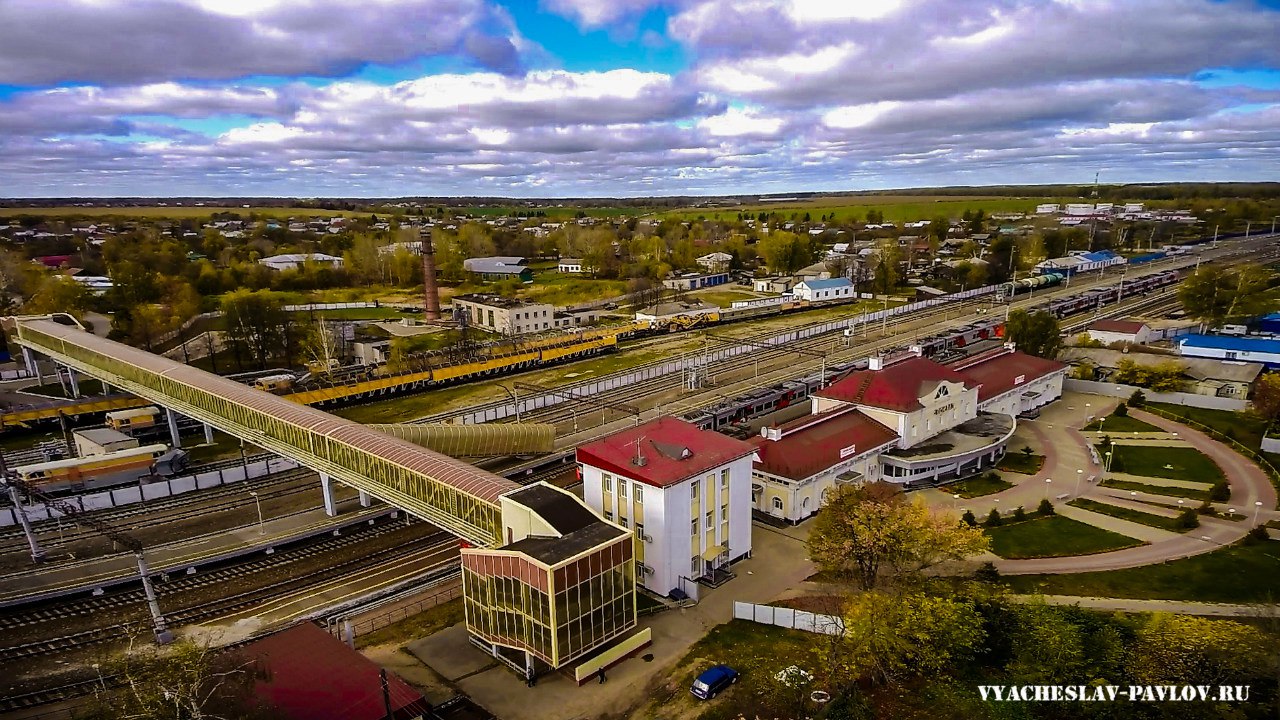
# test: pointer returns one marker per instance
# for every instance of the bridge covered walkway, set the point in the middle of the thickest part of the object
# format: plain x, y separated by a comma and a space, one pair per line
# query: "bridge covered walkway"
449, 493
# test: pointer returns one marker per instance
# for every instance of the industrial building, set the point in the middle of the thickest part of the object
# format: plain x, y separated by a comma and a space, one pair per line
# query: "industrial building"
685, 495
1078, 262
1265, 350
693, 281
499, 268
823, 290
508, 316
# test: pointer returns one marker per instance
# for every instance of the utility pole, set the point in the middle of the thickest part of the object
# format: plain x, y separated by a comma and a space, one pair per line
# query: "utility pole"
386, 693
37, 552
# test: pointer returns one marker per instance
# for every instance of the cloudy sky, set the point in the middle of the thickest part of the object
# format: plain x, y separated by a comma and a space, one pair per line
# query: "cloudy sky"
629, 97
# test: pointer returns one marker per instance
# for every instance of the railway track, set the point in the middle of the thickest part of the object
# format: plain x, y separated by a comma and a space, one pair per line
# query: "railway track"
122, 602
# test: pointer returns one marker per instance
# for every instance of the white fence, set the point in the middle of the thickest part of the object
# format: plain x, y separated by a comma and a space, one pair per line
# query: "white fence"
127, 495
1173, 398
789, 618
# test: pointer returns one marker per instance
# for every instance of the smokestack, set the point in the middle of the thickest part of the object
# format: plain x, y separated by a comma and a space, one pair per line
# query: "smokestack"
431, 291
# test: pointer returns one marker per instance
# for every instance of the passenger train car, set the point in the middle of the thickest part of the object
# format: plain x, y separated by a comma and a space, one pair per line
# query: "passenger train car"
94, 471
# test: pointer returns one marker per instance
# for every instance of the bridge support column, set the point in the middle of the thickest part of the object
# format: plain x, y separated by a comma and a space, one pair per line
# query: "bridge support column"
208, 434
29, 359
326, 489
75, 383
365, 499
172, 417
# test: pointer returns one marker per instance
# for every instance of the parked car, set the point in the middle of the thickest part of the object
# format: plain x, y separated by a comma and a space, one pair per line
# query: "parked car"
711, 682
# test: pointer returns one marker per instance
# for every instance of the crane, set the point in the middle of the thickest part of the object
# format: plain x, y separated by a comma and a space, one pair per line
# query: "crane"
15, 484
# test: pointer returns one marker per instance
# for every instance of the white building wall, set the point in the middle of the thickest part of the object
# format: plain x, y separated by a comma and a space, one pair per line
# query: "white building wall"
1011, 403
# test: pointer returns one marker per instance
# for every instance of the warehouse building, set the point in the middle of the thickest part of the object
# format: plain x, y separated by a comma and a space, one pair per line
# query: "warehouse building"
508, 316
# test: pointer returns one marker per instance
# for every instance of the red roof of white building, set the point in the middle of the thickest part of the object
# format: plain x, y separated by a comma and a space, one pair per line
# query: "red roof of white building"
672, 450
896, 387
814, 443
1124, 327
1000, 371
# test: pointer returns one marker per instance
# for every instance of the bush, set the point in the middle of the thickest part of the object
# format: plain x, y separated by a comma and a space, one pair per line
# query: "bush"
1220, 491
1137, 399
1206, 508
849, 705
987, 572
968, 519
1122, 410
1188, 519
1019, 514
1258, 533
1046, 507
1026, 450
994, 519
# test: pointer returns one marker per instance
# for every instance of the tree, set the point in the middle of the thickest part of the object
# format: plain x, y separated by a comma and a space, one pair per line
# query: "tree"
1216, 294
864, 533
1045, 508
59, 293
785, 252
1188, 519
1137, 399
257, 325
994, 519
1035, 333
1266, 397
886, 271
1178, 649
891, 636
185, 681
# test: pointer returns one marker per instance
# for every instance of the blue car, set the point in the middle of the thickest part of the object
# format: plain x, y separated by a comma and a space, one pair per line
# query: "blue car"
711, 682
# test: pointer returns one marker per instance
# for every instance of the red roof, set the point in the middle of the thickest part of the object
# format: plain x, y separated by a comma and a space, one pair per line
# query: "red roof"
814, 443
1004, 370
673, 450
896, 387
1126, 327
313, 675
54, 261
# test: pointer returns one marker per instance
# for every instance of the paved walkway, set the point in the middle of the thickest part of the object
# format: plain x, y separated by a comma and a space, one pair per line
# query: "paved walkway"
1128, 528
1171, 606
778, 563
1167, 482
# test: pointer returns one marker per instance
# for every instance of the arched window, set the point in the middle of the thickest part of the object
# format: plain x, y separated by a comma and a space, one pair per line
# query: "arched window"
777, 503
804, 504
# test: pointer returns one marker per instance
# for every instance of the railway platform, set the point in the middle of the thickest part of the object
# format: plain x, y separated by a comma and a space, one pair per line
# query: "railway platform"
78, 577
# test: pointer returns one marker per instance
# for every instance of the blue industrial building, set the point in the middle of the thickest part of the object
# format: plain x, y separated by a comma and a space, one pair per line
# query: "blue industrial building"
1263, 350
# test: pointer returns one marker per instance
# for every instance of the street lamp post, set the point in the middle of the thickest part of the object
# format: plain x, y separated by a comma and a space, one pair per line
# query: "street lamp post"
1047, 483
1231, 513
1257, 508
1108, 467
955, 501
258, 503
1079, 477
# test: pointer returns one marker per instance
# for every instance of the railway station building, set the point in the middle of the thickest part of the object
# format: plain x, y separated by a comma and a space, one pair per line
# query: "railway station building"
683, 493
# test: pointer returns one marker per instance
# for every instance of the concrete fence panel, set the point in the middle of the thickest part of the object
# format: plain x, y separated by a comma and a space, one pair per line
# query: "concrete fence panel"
1173, 398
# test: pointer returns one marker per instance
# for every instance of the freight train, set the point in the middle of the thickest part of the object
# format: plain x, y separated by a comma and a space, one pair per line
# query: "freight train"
95, 471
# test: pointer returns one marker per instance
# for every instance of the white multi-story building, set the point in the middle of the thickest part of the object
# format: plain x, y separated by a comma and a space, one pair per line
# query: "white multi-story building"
684, 492
823, 290
508, 316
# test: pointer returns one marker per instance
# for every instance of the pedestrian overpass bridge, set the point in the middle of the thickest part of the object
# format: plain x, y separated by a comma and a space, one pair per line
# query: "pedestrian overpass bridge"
449, 493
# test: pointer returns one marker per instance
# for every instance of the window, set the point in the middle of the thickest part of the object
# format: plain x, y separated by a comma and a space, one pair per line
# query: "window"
695, 565
638, 493
640, 530
724, 479
622, 488
608, 516
1232, 355
777, 503
724, 513
710, 518
623, 522
607, 482
693, 487
693, 527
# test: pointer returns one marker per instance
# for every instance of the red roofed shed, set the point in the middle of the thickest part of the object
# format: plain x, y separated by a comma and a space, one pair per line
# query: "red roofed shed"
673, 450
314, 676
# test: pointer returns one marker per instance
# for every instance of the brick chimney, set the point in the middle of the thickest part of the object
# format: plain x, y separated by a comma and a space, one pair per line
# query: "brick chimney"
431, 291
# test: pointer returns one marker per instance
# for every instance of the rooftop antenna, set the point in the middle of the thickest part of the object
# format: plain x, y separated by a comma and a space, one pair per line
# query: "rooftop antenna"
640, 460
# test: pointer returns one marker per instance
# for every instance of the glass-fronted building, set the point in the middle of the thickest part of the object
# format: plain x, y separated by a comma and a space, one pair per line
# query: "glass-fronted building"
562, 587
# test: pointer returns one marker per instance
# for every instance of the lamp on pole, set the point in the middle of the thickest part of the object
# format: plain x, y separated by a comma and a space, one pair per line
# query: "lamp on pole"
1231, 513
1047, 483
955, 501
1079, 477
1108, 467
258, 503
1257, 508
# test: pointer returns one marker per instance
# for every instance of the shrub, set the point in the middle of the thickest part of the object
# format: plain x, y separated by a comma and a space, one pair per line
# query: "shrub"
1122, 410
1206, 508
1137, 399
1046, 507
1188, 519
1026, 450
1220, 491
987, 572
1258, 533
1019, 514
994, 519
968, 519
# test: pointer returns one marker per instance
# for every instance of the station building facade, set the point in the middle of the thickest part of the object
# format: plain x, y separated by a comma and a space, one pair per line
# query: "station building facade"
682, 492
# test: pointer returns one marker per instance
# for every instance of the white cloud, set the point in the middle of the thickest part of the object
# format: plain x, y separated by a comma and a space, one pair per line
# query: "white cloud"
737, 122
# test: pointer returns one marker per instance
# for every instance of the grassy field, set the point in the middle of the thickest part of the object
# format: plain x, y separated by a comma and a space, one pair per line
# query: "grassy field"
1168, 490
1245, 428
1176, 463
724, 298
1121, 424
562, 289
979, 486
1124, 513
427, 622
1236, 574
174, 212
896, 208
1054, 536
1021, 463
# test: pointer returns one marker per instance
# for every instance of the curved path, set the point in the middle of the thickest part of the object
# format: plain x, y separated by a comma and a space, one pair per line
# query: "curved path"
1249, 484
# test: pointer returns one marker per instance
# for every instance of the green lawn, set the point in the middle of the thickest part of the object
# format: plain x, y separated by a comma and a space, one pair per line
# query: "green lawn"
978, 486
1021, 463
1236, 574
723, 298
1124, 513
1054, 536
561, 289
1122, 424
1245, 428
174, 212
1156, 489
1175, 463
